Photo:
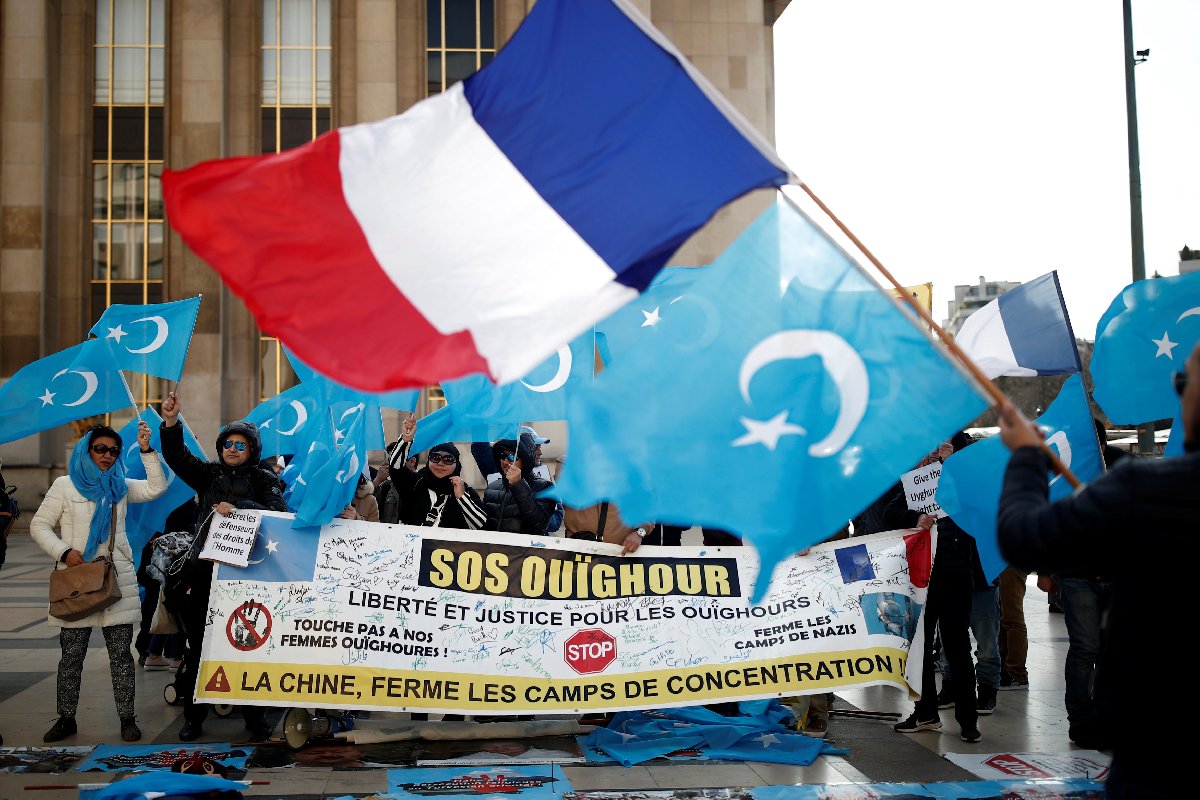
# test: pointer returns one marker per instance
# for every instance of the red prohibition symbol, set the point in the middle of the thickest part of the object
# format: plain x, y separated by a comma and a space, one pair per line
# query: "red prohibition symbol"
249, 626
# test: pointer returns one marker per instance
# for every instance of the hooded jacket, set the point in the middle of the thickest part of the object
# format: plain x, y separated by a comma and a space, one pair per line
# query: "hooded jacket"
248, 486
517, 508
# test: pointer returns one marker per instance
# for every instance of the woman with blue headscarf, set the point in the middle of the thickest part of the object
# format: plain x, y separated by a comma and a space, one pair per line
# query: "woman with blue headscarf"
88, 506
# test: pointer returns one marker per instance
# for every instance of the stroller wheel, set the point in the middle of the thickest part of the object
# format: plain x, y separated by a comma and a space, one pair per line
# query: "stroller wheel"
171, 695
222, 709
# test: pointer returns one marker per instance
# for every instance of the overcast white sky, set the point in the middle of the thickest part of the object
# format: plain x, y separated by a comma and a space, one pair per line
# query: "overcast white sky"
960, 139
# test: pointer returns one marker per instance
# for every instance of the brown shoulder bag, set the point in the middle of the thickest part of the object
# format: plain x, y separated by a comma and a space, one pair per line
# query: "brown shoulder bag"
77, 592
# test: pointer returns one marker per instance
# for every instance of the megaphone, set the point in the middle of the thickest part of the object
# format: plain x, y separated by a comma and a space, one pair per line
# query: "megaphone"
301, 726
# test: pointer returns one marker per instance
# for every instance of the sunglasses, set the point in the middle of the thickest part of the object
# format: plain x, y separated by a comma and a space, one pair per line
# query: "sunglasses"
239, 446
100, 450
1180, 383
440, 458
510, 457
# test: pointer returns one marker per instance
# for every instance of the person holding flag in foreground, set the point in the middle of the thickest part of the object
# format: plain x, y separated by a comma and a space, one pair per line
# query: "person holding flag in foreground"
1093, 530
88, 507
235, 480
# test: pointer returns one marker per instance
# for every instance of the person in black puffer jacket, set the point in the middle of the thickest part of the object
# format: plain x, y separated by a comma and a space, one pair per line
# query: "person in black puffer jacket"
235, 480
511, 501
435, 496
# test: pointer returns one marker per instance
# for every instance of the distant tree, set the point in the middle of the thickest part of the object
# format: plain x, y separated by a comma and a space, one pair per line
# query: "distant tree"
1188, 254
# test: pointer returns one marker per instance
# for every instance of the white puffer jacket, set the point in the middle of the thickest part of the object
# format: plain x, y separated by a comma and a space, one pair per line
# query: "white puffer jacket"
71, 512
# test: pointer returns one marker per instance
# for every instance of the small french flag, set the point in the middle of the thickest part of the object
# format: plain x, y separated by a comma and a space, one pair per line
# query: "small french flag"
1024, 332
488, 225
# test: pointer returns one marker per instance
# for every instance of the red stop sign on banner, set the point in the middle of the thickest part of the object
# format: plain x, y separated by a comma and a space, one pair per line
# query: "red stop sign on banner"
590, 651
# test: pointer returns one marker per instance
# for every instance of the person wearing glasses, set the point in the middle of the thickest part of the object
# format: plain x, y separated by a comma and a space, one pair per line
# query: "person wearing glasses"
434, 496
511, 501
1136, 524
234, 480
88, 505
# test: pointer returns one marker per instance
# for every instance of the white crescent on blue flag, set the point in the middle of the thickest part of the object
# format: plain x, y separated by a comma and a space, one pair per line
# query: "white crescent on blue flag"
152, 338
1143, 339
969, 489
331, 481
1023, 332
81, 381
143, 520
283, 418
810, 394
478, 410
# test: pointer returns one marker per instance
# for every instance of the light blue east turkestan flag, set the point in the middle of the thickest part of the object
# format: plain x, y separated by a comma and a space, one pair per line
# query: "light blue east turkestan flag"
815, 393
664, 309
81, 381
331, 483
282, 419
151, 338
339, 397
143, 520
972, 479
1144, 337
478, 410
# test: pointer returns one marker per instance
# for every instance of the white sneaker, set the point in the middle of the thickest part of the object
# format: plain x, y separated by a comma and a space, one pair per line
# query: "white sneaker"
155, 663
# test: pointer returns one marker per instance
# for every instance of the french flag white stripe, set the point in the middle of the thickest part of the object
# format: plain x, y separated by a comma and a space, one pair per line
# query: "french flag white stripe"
415, 183
985, 339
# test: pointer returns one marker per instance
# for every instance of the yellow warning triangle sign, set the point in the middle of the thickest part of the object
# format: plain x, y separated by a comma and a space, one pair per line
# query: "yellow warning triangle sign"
218, 682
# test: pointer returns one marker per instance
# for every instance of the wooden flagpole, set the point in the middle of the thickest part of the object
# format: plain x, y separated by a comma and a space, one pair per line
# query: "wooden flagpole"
998, 397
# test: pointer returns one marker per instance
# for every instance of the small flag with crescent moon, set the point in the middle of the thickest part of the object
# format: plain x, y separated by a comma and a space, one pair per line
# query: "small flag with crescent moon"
152, 338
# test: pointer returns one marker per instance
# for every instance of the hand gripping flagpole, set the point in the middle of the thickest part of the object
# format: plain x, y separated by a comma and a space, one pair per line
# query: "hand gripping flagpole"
998, 397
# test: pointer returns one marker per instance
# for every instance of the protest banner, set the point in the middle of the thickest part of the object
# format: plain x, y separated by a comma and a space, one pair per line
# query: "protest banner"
920, 488
230, 539
390, 617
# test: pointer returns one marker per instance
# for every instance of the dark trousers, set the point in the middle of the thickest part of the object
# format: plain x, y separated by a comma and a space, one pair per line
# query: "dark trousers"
1084, 603
948, 609
191, 610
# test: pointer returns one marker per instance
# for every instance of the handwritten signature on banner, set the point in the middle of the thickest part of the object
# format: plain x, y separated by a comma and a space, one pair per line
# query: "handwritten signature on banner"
407, 602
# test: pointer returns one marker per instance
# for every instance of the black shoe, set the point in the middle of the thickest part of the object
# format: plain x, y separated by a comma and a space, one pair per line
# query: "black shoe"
912, 724
130, 732
1007, 683
986, 702
1090, 737
945, 698
190, 731
970, 735
64, 727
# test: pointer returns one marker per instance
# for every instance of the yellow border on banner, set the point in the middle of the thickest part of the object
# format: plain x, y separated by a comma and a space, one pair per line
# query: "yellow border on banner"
331, 686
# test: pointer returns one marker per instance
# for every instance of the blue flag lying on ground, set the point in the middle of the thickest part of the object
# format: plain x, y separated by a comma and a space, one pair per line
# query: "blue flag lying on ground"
663, 309
757, 735
478, 410
142, 520
81, 381
1144, 337
969, 489
816, 392
152, 338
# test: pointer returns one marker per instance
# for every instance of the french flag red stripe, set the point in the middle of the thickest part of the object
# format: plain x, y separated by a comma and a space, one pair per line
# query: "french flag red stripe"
279, 231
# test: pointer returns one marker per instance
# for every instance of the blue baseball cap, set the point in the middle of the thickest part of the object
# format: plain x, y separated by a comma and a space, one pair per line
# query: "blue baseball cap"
536, 439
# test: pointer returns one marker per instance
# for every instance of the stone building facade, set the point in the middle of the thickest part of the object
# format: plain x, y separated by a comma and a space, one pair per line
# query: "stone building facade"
97, 97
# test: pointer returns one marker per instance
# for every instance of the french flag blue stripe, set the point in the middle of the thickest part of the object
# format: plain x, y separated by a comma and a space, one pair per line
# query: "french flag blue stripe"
613, 133
1039, 331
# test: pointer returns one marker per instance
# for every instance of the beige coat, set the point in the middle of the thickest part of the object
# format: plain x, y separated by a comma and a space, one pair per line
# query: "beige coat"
69, 511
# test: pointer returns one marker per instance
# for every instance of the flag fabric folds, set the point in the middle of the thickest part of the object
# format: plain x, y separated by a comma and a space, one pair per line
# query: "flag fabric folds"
143, 520
663, 309
814, 385
71, 384
402, 399
282, 419
971, 481
1144, 337
478, 410
151, 338
593, 151
333, 476
1023, 332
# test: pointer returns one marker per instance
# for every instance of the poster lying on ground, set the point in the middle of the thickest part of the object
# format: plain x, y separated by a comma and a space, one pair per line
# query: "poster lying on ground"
361, 615
997, 766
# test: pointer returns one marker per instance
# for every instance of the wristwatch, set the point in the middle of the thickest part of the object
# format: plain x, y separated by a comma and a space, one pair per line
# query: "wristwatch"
641, 532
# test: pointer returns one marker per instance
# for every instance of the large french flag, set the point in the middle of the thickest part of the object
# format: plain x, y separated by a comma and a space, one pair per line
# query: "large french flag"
1024, 332
488, 225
